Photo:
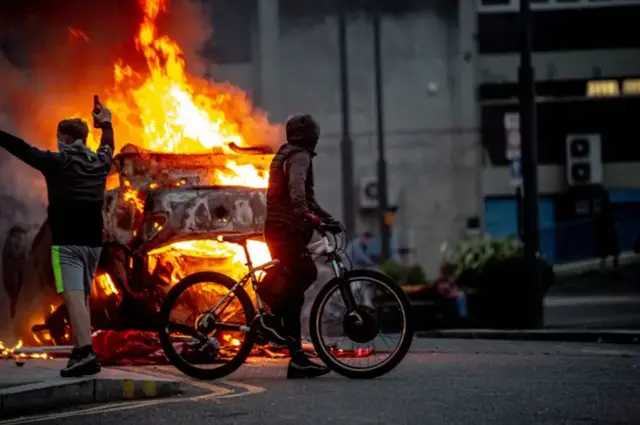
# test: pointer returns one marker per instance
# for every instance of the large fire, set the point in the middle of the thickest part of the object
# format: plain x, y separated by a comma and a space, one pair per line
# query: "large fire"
166, 110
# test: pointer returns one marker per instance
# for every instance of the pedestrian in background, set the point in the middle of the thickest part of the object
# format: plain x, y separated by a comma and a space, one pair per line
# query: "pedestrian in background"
607, 243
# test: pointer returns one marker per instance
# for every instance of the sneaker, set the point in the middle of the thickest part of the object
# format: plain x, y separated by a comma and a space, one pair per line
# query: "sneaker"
272, 329
87, 365
302, 368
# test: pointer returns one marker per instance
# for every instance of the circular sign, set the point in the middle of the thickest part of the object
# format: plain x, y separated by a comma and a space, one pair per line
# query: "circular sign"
371, 190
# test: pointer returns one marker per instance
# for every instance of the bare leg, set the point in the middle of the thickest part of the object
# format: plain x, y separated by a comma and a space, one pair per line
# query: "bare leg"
76, 303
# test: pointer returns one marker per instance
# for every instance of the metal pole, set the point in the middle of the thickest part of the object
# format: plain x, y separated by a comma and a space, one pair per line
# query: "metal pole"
385, 233
528, 127
346, 144
519, 210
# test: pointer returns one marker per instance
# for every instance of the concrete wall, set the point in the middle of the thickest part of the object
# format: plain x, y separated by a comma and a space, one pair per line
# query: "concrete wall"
432, 139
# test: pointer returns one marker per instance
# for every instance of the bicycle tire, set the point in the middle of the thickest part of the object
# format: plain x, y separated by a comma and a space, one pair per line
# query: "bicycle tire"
316, 314
174, 358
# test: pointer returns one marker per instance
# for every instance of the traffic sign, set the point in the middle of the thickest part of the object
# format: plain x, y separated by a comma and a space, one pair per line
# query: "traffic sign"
512, 121
513, 148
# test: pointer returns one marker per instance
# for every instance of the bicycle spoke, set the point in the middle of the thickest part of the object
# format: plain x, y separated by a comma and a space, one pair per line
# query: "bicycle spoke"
186, 330
202, 344
361, 355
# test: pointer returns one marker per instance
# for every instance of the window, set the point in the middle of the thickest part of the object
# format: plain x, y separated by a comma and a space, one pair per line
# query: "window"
631, 87
613, 88
603, 88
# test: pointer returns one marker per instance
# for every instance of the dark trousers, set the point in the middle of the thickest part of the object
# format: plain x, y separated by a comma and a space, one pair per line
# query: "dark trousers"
289, 245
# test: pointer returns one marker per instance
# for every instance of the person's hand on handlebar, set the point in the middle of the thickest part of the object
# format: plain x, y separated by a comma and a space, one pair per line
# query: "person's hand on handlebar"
313, 219
332, 225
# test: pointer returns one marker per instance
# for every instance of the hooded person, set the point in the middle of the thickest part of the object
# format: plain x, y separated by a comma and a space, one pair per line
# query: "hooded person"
292, 215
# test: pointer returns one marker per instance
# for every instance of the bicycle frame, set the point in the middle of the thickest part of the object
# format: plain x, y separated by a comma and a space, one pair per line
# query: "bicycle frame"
321, 248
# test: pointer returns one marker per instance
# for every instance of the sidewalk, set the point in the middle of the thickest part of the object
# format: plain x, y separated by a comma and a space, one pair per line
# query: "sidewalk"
584, 305
595, 300
37, 387
610, 336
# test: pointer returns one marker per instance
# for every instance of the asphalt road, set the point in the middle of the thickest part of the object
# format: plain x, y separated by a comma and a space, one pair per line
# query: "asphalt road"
441, 382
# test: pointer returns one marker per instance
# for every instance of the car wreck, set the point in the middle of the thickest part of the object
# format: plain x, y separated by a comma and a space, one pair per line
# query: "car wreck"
163, 214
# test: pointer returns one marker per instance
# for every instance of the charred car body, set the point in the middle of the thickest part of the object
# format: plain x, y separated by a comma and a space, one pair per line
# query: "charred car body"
162, 216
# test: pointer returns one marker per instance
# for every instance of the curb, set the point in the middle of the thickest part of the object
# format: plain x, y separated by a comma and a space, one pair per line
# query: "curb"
578, 268
41, 396
564, 335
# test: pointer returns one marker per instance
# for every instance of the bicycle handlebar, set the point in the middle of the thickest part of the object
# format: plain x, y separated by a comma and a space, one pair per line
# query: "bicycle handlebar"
322, 228
321, 247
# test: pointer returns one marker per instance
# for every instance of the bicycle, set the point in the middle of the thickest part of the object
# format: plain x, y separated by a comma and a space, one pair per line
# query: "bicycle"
205, 338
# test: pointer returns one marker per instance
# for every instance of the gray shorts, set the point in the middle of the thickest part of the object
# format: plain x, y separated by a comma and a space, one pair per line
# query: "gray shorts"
74, 267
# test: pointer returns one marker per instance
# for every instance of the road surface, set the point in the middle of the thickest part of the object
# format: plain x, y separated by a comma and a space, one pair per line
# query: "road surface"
441, 382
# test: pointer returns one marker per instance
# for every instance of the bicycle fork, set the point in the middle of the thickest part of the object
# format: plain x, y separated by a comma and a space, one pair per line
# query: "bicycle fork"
345, 289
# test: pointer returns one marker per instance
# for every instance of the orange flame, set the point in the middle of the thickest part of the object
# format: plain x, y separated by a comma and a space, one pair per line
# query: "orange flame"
6, 352
106, 284
168, 110
162, 108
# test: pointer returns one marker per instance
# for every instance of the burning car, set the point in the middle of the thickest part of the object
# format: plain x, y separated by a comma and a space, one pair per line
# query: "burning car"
194, 166
163, 214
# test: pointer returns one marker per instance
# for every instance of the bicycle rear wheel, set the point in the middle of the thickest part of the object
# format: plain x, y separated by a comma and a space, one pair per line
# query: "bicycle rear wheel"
364, 330
193, 347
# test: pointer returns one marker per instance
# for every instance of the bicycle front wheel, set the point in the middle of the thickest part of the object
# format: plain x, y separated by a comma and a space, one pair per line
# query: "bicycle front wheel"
364, 343
203, 346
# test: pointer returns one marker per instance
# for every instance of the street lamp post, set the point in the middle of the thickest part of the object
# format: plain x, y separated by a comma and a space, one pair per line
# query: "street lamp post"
528, 127
346, 144
385, 232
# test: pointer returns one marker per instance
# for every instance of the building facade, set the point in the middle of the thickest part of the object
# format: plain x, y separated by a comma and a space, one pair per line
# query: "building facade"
449, 75
587, 61
430, 110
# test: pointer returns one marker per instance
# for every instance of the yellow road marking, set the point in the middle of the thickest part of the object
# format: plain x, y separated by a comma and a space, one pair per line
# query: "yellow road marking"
149, 388
215, 393
251, 389
128, 388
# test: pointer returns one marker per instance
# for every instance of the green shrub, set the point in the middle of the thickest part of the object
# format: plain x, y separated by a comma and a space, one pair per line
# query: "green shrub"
405, 275
475, 254
416, 275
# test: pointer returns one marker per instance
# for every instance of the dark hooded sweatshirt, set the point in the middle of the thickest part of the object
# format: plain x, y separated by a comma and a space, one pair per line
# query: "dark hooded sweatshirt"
76, 178
291, 191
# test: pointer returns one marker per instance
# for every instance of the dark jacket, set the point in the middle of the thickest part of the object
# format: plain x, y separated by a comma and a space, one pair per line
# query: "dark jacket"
76, 178
291, 191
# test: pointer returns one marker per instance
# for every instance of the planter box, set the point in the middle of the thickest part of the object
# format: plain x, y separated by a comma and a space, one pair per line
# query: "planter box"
500, 297
429, 309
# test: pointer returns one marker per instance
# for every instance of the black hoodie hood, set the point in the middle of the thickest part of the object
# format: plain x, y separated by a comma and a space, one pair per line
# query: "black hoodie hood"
303, 131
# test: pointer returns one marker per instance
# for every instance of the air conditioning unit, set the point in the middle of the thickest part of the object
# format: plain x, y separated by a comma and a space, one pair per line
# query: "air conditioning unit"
368, 194
584, 159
